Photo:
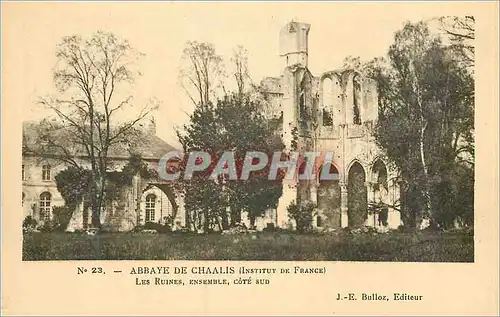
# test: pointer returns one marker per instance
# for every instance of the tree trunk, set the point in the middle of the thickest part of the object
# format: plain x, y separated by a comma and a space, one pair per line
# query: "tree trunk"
206, 221
225, 220
235, 216
219, 224
423, 127
98, 197
189, 223
199, 218
426, 191
94, 204
96, 214
252, 221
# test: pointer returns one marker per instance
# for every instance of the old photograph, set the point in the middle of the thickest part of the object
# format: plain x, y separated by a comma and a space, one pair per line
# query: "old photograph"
281, 137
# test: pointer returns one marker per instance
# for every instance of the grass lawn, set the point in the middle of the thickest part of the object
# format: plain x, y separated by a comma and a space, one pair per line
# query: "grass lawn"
403, 247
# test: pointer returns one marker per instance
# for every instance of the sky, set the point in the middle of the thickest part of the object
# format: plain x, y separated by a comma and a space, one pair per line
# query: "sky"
160, 31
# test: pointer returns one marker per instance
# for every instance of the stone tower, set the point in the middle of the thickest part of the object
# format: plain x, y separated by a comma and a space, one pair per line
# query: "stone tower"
293, 43
296, 104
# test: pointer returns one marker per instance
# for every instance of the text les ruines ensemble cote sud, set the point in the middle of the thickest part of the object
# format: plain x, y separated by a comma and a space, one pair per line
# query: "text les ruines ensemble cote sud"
231, 275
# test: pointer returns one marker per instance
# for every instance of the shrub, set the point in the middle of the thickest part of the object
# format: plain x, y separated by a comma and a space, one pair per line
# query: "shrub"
138, 228
359, 230
169, 220
48, 226
303, 215
29, 224
62, 216
405, 229
269, 228
157, 226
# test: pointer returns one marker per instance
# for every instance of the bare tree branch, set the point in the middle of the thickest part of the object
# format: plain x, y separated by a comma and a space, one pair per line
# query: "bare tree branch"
90, 71
202, 69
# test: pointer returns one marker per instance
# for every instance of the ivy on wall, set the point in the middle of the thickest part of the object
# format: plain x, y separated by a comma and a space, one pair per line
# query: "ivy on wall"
74, 183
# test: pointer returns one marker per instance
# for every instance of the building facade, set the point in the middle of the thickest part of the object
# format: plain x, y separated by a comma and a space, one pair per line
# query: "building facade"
145, 200
335, 111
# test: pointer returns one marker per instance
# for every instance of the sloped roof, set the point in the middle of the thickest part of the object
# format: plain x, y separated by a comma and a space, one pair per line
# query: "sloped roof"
147, 145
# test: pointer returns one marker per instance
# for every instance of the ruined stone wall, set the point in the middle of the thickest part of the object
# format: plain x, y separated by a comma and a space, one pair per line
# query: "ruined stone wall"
334, 112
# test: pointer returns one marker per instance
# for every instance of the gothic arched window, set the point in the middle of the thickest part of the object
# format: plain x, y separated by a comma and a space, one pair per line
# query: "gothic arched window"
327, 101
302, 104
302, 100
356, 95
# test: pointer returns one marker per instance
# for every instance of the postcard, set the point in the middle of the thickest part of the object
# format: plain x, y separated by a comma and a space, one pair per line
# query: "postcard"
250, 158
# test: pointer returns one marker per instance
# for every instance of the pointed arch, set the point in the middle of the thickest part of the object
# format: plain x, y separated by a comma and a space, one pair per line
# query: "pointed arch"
327, 88
331, 92
329, 197
327, 101
304, 94
357, 195
379, 178
379, 172
352, 95
328, 168
357, 161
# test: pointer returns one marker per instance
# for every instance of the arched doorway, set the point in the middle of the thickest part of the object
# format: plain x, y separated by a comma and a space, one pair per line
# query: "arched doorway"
357, 202
380, 192
329, 199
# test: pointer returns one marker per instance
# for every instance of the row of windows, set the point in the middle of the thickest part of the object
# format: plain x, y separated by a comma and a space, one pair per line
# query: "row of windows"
46, 173
46, 198
328, 93
328, 96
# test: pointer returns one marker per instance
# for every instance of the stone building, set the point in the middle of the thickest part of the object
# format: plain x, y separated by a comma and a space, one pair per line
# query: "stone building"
145, 200
333, 111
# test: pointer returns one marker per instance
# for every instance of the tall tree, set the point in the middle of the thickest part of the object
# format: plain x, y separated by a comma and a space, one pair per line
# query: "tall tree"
92, 76
246, 129
426, 119
241, 73
202, 133
461, 34
202, 72
234, 124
